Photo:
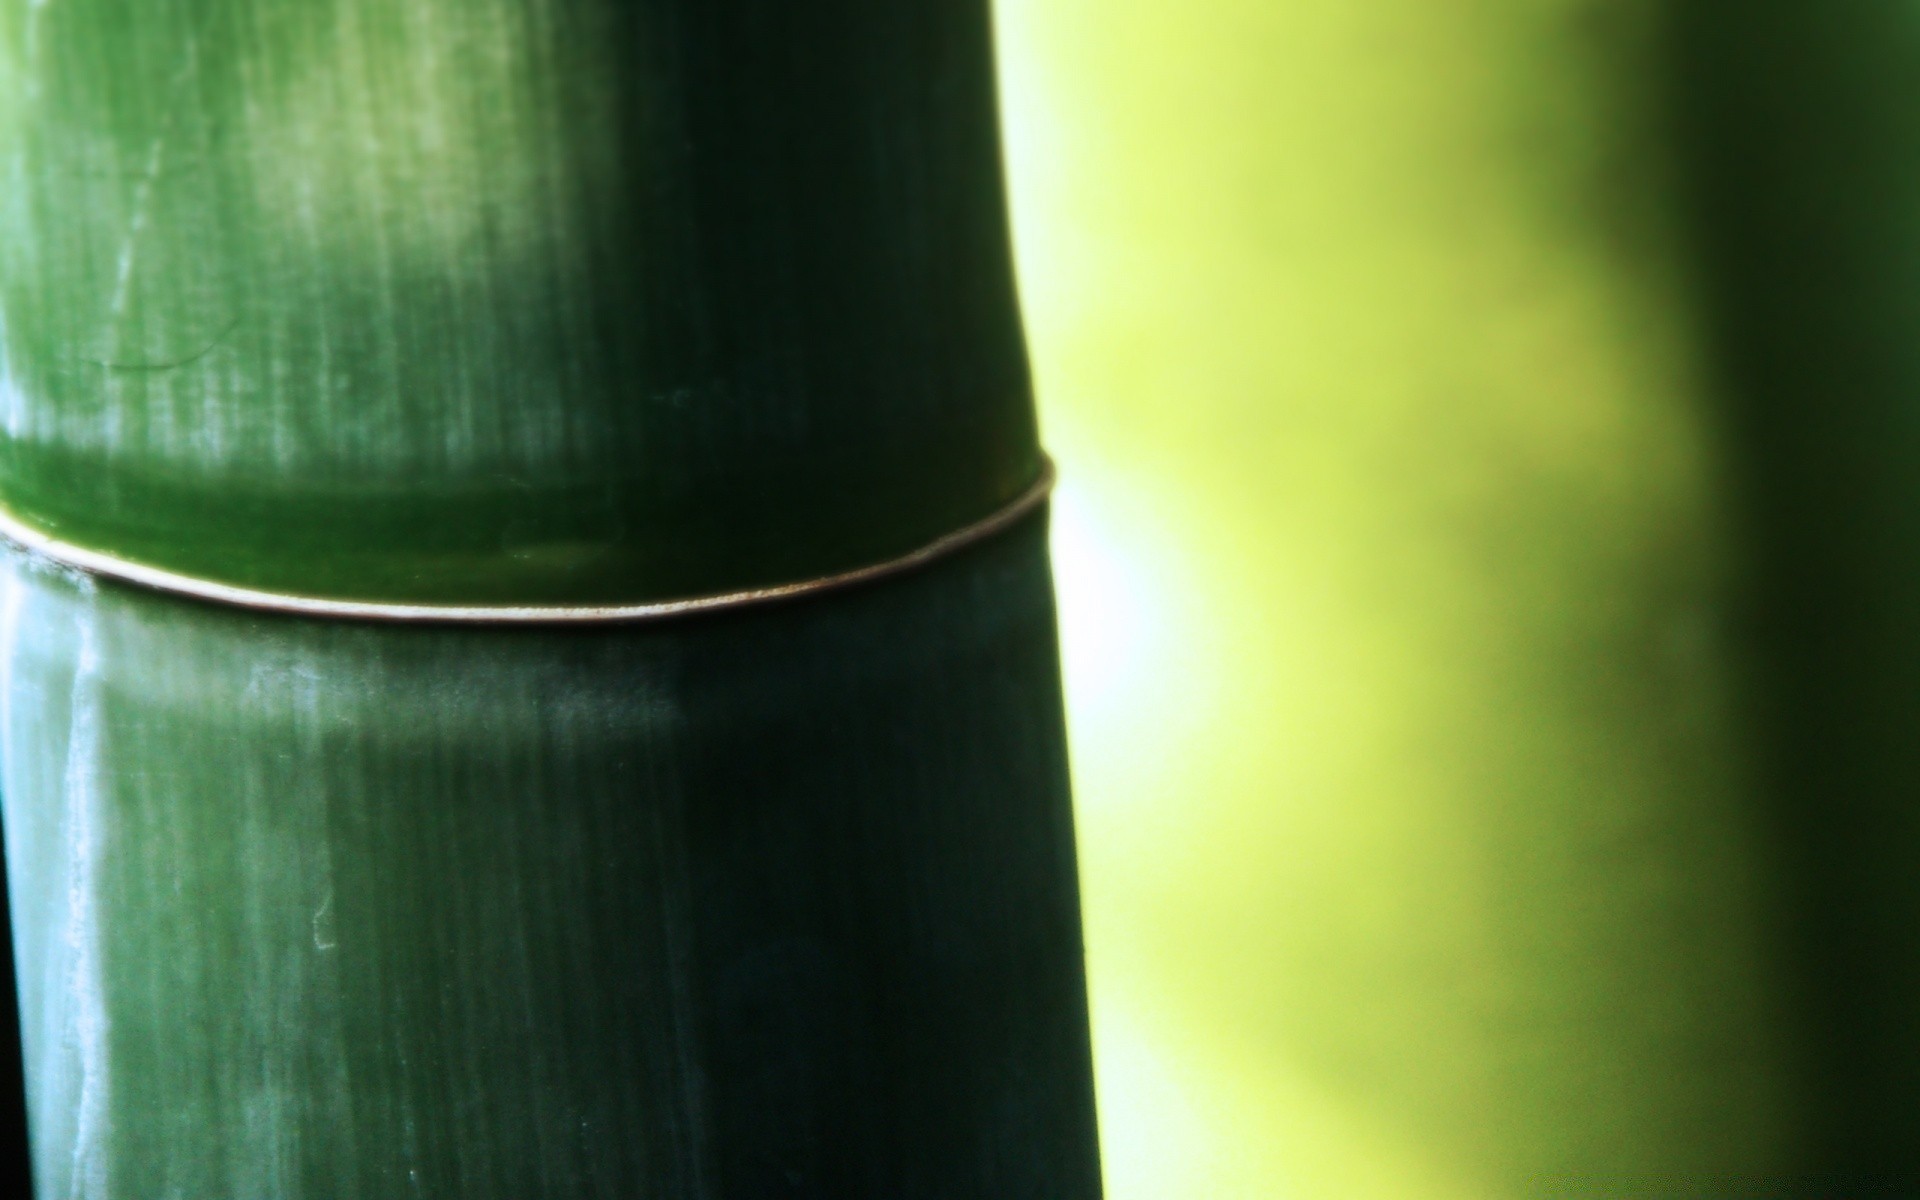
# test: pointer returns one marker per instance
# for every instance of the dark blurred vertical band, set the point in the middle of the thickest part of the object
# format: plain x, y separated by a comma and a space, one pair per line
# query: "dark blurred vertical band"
1799, 130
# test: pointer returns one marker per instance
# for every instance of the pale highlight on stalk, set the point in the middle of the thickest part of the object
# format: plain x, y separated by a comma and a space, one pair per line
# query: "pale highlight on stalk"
415, 146
86, 829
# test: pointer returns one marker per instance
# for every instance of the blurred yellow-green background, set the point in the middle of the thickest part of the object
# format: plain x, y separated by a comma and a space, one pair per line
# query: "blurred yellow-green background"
1389, 555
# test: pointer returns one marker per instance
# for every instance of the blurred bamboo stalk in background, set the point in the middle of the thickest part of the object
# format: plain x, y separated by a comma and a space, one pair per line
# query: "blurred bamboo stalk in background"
1510, 416
527, 303
1799, 144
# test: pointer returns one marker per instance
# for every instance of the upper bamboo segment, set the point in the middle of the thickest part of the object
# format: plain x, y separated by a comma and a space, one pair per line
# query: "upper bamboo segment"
505, 301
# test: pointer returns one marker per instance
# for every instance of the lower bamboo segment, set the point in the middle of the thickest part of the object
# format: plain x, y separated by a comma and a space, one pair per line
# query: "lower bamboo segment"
780, 903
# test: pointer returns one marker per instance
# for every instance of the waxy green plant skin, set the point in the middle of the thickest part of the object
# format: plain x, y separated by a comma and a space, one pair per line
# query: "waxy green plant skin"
776, 903
514, 301
509, 303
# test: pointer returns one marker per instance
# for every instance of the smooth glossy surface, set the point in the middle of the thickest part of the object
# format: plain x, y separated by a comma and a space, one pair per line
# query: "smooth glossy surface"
504, 301
778, 903
105, 566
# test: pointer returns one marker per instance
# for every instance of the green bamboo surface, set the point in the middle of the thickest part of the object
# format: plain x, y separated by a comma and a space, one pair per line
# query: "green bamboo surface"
515, 301
777, 903
522, 302
1500, 418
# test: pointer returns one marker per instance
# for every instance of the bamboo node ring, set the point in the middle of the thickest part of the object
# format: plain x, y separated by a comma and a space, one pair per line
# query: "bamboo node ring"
37, 544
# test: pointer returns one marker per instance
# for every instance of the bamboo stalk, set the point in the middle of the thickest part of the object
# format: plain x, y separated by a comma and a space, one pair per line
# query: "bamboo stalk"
510, 301
1800, 139
776, 903
526, 304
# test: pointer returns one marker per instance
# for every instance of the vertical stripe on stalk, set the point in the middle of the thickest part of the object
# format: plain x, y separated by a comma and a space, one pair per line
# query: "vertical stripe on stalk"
86, 828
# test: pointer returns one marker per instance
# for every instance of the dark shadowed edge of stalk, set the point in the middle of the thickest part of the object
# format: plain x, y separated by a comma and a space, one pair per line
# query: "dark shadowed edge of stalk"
15, 1174
1798, 139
